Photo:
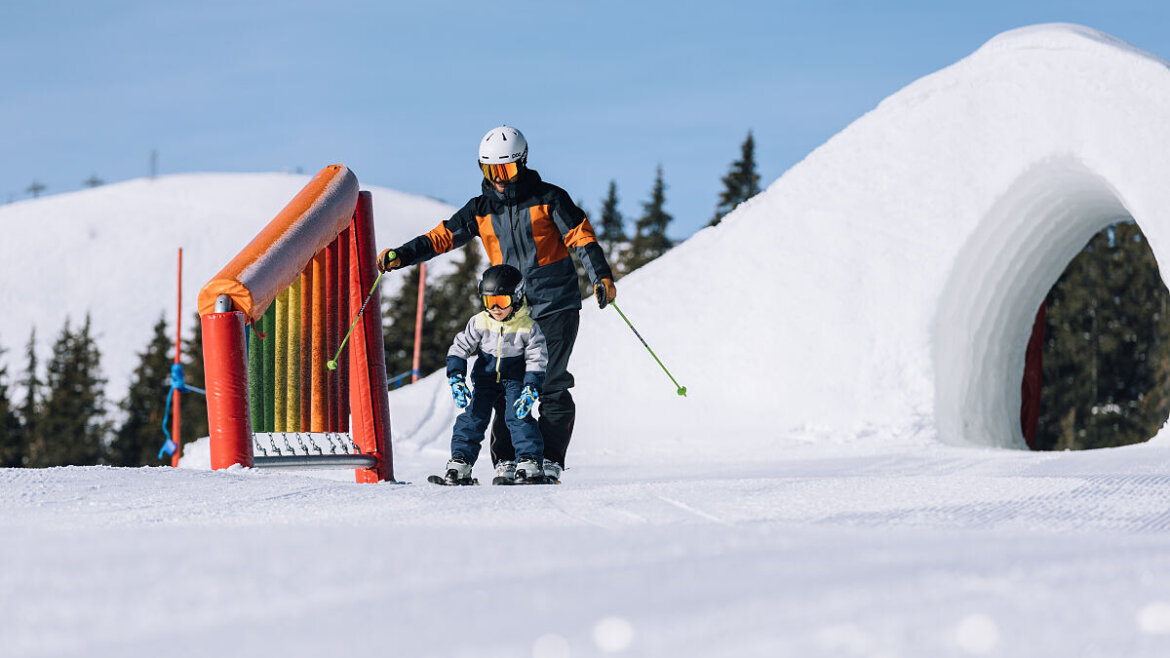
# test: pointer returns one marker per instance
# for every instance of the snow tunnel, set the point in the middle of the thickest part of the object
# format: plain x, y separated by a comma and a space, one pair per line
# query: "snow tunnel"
1003, 273
899, 267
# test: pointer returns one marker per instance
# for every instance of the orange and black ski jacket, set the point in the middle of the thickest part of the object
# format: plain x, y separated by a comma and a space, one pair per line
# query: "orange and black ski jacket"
530, 226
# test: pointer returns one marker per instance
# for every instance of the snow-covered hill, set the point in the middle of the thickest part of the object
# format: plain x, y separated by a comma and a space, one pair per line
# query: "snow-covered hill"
112, 251
887, 284
833, 485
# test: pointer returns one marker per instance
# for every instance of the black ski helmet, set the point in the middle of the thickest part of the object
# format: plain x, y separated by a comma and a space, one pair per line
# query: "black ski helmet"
503, 280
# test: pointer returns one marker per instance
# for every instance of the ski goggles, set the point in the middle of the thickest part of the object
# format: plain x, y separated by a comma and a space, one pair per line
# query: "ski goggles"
497, 301
503, 173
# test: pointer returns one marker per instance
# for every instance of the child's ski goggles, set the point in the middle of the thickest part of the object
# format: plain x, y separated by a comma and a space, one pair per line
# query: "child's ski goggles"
496, 301
503, 173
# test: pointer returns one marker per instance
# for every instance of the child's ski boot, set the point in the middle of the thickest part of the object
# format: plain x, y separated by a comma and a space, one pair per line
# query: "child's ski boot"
458, 474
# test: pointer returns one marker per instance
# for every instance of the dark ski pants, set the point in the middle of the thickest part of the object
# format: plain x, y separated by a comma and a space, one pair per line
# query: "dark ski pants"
473, 422
557, 409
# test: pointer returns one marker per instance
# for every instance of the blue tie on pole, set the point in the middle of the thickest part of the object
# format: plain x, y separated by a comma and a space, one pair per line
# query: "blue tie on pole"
178, 383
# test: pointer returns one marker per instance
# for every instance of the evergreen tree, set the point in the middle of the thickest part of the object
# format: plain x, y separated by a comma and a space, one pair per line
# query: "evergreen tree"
584, 285
613, 238
30, 409
140, 435
194, 405
454, 299
1106, 355
741, 182
11, 434
71, 427
650, 240
399, 317
449, 303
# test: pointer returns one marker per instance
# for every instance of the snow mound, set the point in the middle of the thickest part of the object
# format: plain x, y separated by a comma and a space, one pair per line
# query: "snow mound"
884, 288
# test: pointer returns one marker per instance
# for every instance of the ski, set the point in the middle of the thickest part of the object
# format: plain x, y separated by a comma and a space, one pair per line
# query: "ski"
518, 482
442, 481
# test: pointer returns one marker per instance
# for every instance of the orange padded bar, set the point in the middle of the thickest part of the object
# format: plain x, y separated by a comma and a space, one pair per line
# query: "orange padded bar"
274, 258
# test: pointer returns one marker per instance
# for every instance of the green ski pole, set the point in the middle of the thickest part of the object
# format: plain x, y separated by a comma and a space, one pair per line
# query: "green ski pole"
332, 363
682, 390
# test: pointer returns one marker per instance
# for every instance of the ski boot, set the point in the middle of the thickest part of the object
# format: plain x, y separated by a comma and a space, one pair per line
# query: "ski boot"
529, 471
505, 472
552, 471
458, 474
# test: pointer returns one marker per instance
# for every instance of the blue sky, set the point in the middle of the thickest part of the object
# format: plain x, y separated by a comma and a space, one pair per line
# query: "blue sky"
402, 91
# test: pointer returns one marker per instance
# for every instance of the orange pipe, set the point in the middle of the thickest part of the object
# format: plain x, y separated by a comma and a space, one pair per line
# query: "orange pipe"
331, 337
418, 322
272, 260
319, 401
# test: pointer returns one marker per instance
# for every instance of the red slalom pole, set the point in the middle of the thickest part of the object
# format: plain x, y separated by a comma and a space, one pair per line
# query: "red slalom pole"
418, 321
176, 413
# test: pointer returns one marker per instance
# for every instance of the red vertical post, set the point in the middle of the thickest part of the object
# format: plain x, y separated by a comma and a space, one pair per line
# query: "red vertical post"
332, 339
226, 373
369, 403
344, 319
176, 413
418, 322
306, 347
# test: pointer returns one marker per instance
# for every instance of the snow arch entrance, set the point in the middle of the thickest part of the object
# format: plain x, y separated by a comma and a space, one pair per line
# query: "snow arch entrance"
1002, 274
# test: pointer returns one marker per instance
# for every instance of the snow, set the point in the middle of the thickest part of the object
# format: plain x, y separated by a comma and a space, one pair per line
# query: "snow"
837, 482
112, 251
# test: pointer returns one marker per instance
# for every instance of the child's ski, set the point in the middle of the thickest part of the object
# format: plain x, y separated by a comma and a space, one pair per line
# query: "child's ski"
439, 479
519, 482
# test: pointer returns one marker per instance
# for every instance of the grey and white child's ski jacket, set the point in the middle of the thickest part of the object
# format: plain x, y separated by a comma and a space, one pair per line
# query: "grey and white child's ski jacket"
512, 349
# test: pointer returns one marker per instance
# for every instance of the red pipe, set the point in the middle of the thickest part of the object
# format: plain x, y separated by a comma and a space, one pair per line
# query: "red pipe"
226, 374
176, 413
367, 362
343, 320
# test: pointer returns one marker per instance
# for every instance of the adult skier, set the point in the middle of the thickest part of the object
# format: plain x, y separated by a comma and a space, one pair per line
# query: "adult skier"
529, 224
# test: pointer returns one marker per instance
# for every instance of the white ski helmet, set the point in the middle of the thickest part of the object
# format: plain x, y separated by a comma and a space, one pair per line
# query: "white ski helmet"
503, 145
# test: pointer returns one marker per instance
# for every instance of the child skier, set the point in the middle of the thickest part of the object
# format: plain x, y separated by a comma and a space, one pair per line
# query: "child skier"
511, 362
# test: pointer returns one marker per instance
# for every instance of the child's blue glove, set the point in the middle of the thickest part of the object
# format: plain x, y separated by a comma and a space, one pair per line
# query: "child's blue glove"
459, 391
528, 397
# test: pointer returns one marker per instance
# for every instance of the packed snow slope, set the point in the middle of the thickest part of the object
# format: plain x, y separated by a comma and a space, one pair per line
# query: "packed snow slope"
870, 301
888, 282
112, 251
